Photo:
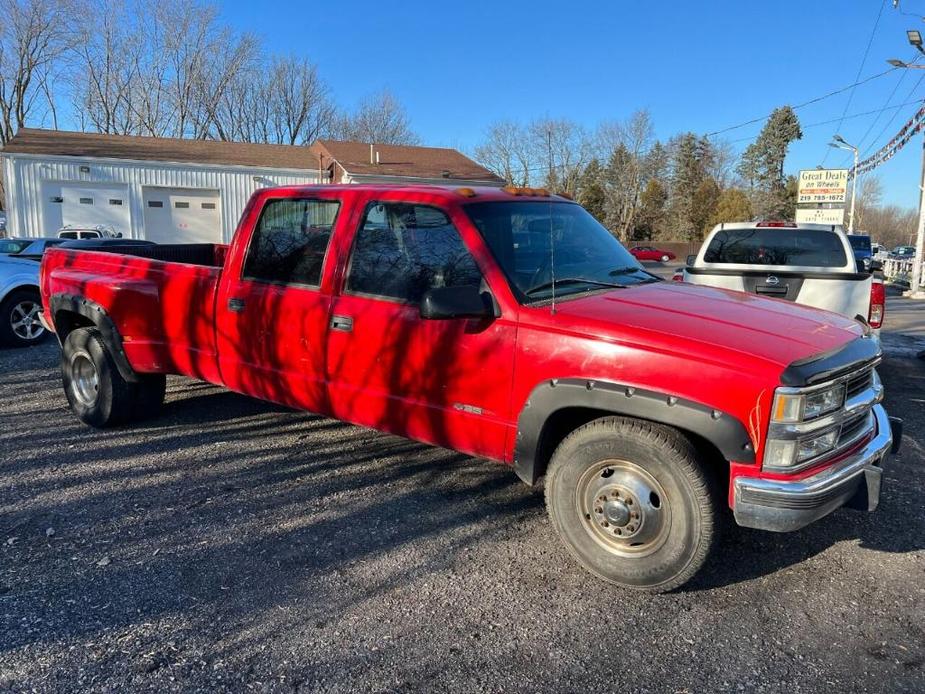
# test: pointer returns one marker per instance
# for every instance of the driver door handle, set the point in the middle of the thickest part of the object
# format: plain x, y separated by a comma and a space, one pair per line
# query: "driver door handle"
343, 323
236, 305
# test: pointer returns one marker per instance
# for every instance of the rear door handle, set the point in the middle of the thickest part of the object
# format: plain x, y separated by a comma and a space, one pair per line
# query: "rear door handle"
344, 323
236, 305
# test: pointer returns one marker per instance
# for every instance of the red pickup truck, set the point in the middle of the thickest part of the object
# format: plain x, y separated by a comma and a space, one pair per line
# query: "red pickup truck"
506, 324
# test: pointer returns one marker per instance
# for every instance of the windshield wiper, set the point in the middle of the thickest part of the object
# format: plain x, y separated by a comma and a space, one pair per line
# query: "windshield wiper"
573, 280
630, 269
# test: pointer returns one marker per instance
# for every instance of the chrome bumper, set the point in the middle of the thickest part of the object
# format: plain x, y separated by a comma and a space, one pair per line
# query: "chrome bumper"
783, 505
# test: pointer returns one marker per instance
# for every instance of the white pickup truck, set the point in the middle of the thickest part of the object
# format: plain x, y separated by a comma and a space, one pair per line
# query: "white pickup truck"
810, 264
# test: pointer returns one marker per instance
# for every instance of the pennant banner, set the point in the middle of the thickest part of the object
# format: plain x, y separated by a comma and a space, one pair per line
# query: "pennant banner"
912, 127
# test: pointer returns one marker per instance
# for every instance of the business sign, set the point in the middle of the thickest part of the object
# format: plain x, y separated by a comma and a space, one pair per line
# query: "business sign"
823, 185
821, 216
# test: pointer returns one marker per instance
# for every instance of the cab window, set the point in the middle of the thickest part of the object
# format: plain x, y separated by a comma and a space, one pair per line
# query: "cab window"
402, 250
290, 241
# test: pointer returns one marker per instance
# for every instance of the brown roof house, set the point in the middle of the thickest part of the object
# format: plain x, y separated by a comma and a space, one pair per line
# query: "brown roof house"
185, 191
362, 162
162, 189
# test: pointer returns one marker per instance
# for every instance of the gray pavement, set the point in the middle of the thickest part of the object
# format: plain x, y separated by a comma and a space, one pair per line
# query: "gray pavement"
232, 545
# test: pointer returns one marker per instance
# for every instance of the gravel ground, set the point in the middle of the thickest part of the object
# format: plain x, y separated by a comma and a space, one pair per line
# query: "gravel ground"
233, 545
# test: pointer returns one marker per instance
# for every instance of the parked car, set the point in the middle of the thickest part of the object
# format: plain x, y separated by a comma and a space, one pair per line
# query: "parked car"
903, 253
13, 246
863, 251
34, 248
812, 264
20, 303
652, 408
99, 231
650, 253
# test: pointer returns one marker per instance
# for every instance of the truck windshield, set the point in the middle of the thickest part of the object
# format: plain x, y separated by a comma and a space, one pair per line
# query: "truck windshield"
776, 246
530, 239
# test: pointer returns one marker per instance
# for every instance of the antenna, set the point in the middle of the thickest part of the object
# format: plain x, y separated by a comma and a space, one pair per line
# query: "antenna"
552, 261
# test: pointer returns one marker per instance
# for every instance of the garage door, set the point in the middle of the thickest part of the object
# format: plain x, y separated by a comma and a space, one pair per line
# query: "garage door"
182, 215
85, 204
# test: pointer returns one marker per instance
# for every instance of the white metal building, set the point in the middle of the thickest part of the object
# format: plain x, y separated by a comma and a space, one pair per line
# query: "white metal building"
165, 190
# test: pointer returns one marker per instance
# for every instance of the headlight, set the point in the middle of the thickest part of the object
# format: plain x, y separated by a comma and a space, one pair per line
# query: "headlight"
784, 454
799, 407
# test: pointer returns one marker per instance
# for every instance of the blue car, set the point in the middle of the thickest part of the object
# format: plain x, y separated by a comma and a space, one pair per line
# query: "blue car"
863, 255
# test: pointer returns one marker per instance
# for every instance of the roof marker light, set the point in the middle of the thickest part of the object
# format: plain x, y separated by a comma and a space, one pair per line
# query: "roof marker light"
534, 192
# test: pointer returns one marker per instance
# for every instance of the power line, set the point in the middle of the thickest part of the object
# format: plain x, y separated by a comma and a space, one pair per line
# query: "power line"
817, 99
912, 61
890, 122
833, 120
857, 76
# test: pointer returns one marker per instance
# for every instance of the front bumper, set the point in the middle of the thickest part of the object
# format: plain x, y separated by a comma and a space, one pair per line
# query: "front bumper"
785, 505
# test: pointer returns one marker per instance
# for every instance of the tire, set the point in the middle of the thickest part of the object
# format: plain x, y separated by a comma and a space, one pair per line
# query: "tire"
665, 258
632, 504
19, 323
95, 389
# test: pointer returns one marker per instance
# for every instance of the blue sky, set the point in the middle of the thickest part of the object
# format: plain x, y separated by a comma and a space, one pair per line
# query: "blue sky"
696, 66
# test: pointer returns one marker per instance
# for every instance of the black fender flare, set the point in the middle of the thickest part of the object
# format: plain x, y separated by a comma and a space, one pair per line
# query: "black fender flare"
724, 431
98, 316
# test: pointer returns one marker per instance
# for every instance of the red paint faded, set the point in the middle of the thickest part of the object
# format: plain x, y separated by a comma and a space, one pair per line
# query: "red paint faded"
399, 373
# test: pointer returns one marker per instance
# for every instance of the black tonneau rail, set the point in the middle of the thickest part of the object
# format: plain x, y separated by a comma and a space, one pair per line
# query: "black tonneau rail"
209, 254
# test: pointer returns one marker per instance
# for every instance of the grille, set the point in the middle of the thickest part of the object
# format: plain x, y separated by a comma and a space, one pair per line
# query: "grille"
854, 427
859, 383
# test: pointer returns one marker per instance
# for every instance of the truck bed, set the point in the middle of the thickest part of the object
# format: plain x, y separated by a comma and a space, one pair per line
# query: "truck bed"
160, 299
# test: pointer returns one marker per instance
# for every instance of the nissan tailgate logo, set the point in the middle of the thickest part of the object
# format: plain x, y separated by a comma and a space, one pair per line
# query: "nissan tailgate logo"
772, 280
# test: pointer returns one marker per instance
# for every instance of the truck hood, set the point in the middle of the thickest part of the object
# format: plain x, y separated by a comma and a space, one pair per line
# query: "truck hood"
690, 318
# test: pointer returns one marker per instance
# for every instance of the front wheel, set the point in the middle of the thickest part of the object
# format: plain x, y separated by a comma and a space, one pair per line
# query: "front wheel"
632, 504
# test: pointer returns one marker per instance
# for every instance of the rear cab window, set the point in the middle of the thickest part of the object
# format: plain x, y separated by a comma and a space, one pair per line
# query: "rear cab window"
290, 241
780, 247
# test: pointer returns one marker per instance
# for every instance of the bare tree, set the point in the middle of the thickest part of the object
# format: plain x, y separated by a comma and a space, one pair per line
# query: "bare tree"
103, 66
561, 149
380, 118
628, 144
34, 34
506, 152
869, 193
301, 110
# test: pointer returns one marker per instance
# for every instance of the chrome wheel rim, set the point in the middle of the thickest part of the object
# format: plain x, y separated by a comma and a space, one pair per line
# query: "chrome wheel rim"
624, 508
85, 380
24, 319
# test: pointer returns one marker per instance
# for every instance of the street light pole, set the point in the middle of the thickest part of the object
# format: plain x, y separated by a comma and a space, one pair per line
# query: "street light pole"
915, 288
841, 144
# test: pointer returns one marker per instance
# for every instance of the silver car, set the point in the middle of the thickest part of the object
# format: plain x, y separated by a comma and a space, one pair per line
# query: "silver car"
20, 303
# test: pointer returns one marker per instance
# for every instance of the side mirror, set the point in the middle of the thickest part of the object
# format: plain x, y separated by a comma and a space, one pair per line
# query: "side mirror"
457, 302
691, 259
876, 265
